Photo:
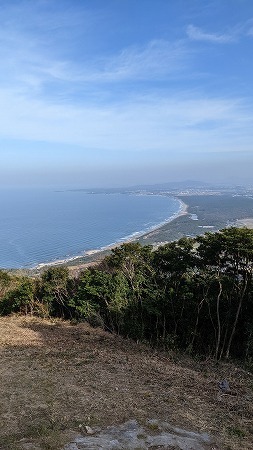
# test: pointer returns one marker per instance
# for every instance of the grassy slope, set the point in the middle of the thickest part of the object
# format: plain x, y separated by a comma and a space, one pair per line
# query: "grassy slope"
57, 377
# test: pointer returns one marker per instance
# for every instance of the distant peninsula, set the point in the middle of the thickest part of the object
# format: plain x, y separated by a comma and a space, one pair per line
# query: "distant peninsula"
204, 208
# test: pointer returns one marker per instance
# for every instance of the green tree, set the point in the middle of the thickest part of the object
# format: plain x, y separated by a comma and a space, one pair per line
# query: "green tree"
56, 291
228, 256
20, 298
134, 262
5, 283
92, 296
174, 265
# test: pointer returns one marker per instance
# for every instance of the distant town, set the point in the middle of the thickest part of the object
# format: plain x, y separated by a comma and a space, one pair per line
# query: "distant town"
184, 188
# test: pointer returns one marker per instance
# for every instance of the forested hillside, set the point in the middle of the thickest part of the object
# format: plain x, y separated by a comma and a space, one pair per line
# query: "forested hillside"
194, 295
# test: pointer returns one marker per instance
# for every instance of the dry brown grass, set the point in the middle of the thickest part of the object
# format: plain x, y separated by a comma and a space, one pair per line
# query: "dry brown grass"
57, 377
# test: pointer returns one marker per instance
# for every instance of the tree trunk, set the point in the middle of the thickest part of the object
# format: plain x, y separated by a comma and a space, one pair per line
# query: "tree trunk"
218, 339
237, 316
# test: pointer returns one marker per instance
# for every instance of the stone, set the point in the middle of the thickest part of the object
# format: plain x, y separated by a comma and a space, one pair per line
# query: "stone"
89, 430
133, 436
224, 386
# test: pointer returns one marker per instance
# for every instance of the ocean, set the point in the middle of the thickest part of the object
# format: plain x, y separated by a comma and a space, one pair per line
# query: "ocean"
43, 226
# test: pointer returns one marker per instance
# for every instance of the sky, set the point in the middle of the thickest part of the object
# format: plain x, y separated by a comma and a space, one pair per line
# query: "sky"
110, 93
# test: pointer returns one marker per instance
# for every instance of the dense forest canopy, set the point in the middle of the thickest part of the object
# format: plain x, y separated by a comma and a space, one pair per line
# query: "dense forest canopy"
194, 295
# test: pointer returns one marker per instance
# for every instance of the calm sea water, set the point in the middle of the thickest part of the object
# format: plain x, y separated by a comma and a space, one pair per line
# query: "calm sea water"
44, 226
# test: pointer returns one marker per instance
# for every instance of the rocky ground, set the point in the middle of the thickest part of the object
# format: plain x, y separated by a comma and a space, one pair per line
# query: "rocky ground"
153, 434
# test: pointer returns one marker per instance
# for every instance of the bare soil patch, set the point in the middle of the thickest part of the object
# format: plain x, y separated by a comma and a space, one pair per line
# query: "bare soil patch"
56, 378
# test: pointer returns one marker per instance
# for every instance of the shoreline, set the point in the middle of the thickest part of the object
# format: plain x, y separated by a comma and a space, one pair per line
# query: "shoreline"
197, 214
81, 259
182, 211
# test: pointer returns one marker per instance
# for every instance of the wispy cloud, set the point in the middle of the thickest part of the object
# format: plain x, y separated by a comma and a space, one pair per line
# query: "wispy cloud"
37, 41
156, 59
196, 34
60, 87
164, 123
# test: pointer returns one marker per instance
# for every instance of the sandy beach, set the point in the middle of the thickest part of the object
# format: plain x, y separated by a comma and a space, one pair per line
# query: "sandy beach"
197, 214
92, 257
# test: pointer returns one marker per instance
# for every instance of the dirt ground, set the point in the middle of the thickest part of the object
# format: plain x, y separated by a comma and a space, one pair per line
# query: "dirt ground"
56, 378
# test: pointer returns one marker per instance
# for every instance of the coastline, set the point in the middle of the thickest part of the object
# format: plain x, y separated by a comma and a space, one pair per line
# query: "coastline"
93, 256
182, 211
198, 213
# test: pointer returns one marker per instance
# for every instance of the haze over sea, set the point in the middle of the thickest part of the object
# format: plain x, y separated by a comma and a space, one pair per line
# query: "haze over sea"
40, 226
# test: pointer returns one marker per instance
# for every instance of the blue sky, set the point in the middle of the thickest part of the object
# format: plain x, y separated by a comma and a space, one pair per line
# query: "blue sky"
121, 92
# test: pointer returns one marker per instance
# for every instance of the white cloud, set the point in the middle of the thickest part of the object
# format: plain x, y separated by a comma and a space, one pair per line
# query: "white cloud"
196, 34
250, 32
49, 98
140, 124
31, 65
156, 59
